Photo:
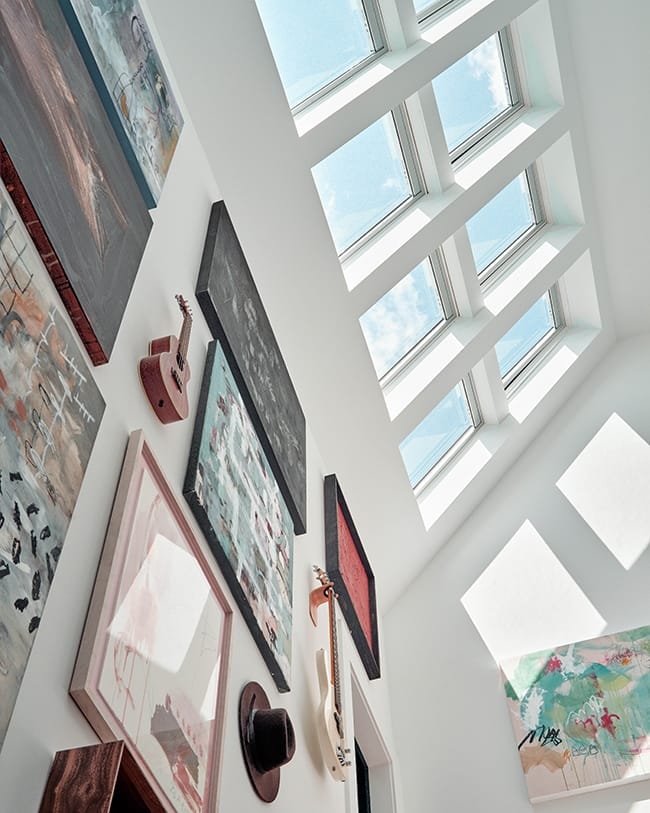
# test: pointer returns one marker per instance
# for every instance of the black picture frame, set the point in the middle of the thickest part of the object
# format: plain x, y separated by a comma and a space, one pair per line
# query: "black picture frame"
214, 490
235, 314
344, 555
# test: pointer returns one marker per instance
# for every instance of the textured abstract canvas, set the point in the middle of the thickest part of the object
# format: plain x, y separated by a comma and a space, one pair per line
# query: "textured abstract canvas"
153, 661
581, 713
118, 49
75, 176
238, 505
50, 411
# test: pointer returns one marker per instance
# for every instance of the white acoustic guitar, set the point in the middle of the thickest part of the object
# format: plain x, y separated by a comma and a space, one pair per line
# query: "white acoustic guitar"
329, 720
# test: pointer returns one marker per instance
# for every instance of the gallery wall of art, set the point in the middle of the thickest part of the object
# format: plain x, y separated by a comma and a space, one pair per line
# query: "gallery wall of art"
558, 554
45, 719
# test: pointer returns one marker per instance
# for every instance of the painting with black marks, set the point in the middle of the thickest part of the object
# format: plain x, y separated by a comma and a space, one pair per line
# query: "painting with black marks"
50, 410
233, 309
66, 171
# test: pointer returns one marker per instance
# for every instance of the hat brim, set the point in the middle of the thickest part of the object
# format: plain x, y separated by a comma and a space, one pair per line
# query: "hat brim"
265, 783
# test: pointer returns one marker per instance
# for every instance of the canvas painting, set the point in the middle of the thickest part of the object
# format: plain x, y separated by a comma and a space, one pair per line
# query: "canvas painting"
581, 713
50, 411
119, 51
234, 311
75, 176
240, 509
152, 666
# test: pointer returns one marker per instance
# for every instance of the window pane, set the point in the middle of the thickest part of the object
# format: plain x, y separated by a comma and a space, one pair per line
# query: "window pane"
472, 92
402, 317
498, 224
315, 43
363, 182
437, 433
525, 334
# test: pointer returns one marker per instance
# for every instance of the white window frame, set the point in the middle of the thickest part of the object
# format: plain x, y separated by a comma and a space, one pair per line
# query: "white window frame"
434, 8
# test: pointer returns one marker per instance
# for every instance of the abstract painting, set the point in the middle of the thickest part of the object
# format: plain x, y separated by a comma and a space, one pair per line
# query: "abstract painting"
153, 660
118, 49
581, 713
50, 411
233, 494
348, 567
233, 309
72, 169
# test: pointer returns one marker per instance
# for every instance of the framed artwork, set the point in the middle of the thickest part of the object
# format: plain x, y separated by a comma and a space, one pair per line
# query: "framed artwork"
153, 660
238, 504
116, 44
348, 567
581, 713
73, 174
233, 309
50, 412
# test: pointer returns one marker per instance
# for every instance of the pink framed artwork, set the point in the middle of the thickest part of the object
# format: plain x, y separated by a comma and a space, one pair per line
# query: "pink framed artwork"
152, 664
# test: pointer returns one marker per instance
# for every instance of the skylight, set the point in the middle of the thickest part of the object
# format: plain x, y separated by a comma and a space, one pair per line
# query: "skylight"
444, 429
425, 8
476, 93
498, 228
316, 44
367, 180
525, 338
403, 317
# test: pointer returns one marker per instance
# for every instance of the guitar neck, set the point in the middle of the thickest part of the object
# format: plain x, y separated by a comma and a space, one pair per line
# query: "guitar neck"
334, 651
184, 340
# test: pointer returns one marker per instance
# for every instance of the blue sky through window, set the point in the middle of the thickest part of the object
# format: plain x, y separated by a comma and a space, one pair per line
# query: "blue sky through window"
472, 92
402, 317
533, 326
315, 41
436, 434
499, 223
363, 182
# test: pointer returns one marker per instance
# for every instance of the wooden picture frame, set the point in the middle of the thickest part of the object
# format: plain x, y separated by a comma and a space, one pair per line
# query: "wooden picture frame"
235, 314
121, 57
348, 567
231, 490
73, 173
155, 648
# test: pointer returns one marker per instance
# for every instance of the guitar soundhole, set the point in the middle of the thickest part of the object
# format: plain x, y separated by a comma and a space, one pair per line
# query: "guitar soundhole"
161, 403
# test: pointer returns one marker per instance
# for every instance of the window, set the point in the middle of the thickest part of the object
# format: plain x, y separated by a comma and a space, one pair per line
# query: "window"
368, 180
523, 343
425, 8
318, 45
477, 93
445, 429
407, 316
504, 224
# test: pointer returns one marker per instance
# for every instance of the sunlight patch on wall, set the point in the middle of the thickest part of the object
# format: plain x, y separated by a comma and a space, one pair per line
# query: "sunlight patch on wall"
525, 600
607, 484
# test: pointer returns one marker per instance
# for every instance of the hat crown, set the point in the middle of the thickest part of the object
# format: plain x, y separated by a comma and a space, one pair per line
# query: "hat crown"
272, 738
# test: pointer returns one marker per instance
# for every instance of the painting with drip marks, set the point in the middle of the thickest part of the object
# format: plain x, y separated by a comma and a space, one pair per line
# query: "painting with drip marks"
581, 713
50, 411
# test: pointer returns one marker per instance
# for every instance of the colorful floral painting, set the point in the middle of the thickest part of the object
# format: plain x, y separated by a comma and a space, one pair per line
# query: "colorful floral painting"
238, 504
581, 713
50, 411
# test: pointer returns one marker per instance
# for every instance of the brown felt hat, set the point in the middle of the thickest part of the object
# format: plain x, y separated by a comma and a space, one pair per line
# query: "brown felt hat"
267, 740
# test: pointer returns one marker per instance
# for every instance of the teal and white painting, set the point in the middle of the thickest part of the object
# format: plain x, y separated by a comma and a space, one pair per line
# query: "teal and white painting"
581, 713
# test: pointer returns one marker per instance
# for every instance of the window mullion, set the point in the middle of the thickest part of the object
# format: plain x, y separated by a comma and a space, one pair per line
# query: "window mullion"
462, 274
489, 389
428, 131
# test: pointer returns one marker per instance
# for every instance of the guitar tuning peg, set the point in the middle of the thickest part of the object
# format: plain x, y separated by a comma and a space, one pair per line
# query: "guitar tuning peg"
346, 750
347, 763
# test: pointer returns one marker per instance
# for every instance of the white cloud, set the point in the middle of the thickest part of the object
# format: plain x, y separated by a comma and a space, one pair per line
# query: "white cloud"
485, 60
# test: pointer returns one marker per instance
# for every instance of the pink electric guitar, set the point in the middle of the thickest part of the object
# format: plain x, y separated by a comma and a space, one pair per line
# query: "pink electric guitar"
329, 721
165, 371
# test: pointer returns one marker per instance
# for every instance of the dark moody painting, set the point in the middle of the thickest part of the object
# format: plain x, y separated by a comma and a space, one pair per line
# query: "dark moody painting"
50, 410
236, 500
348, 567
233, 309
118, 49
56, 132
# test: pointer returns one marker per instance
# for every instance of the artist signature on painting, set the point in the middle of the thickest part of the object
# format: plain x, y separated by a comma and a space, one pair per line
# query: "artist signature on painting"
544, 736
585, 750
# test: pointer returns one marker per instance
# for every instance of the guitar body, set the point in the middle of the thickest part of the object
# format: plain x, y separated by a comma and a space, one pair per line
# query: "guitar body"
164, 381
329, 724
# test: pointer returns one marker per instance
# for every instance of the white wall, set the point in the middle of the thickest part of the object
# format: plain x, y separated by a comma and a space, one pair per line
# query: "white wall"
558, 552
45, 718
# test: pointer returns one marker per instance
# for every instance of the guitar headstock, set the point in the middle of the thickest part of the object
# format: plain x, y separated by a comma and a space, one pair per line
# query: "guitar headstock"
322, 576
182, 304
